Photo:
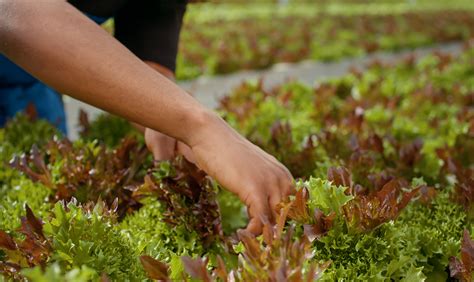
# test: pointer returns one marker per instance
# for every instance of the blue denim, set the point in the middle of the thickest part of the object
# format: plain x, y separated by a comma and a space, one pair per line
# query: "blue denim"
48, 103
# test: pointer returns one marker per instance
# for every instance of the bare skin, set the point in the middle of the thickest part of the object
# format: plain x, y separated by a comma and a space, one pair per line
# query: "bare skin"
162, 146
57, 44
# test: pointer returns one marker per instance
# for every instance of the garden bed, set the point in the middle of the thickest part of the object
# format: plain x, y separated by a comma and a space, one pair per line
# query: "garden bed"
383, 158
223, 45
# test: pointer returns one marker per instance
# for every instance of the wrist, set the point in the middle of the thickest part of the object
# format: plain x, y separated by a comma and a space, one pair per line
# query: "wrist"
203, 124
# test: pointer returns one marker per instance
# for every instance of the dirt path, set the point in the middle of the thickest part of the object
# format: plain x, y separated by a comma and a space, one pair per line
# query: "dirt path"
208, 90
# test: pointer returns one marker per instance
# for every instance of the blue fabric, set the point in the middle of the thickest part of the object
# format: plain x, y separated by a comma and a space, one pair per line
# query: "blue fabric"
11, 74
48, 103
96, 19
18, 89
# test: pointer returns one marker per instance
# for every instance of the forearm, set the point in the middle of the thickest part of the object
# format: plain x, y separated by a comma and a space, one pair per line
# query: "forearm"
57, 44
163, 71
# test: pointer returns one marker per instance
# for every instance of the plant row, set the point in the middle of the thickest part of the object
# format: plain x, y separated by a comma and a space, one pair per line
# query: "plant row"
223, 46
384, 166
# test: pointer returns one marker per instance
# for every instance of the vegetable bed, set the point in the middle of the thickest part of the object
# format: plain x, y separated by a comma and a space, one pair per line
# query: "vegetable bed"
258, 41
385, 191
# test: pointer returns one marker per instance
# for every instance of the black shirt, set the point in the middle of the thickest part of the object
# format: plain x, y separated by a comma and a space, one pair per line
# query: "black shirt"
149, 28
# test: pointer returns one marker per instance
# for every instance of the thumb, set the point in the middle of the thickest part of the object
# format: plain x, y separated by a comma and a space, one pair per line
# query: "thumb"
160, 145
186, 151
257, 211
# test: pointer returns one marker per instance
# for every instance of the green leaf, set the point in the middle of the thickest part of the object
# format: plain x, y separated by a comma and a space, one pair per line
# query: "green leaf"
326, 196
414, 274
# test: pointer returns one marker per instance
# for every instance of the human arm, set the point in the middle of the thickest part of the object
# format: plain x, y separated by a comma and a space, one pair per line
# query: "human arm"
162, 146
57, 44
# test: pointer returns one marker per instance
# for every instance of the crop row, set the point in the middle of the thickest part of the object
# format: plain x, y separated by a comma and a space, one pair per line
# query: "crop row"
383, 158
224, 46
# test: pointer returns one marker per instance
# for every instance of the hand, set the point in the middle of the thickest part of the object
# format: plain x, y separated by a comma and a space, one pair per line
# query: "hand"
164, 147
259, 180
160, 145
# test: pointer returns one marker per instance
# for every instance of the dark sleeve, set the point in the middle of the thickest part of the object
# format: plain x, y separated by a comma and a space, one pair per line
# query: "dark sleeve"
150, 29
99, 8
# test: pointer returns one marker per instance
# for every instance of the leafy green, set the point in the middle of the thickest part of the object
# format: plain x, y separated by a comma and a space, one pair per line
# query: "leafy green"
14, 197
107, 129
88, 238
326, 196
87, 171
53, 273
385, 158
233, 212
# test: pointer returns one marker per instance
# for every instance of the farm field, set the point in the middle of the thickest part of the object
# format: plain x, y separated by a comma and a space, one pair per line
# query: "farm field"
384, 165
219, 39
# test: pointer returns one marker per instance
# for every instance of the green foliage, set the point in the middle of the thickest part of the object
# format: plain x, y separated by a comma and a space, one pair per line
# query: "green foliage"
418, 244
233, 212
429, 237
39, 132
326, 196
188, 197
16, 191
87, 171
13, 140
15, 195
53, 273
88, 238
386, 188
108, 129
267, 35
151, 235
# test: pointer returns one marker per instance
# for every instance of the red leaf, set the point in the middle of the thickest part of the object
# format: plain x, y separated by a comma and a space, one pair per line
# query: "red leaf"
322, 224
340, 176
102, 173
104, 278
33, 222
299, 209
463, 269
6, 241
196, 268
427, 194
34, 250
31, 112
367, 212
252, 246
457, 269
84, 122
154, 268
188, 196
221, 270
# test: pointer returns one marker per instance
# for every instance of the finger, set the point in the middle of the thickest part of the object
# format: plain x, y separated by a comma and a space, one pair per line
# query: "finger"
285, 178
186, 151
291, 191
287, 189
286, 184
288, 174
255, 226
161, 146
163, 151
275, 200
258, 209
